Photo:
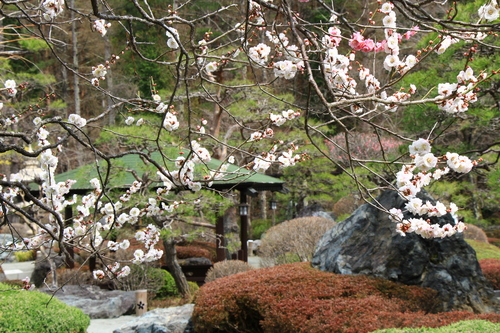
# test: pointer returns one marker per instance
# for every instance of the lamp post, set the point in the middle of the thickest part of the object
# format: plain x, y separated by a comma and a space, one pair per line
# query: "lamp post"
244, 227
273, 208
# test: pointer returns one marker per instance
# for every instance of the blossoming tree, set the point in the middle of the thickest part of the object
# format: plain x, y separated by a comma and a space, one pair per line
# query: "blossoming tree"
343, 68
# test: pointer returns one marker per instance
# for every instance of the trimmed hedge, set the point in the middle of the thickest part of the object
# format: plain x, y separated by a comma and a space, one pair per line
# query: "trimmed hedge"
184, 252
298, 298
31, 311
491, 271
469, 326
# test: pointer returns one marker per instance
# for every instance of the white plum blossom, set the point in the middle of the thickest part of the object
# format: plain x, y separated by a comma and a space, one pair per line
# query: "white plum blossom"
445, 44
459, 163
11, 86
426, 162
261, 165
129, 121
170, 123
389, 20
101, 26
99, 71
259, 53
420, 147
77, 120
173, 37
99, 274
489, 12
392, 61
52, 8
387, 7
211, 67
286, 69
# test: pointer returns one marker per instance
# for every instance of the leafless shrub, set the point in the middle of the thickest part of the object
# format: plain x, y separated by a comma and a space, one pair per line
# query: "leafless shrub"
475, 233
226, 268
293, 240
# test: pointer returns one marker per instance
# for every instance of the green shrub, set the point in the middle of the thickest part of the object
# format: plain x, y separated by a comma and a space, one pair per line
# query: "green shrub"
24, 256
259, 227
169, 288
469, 326
31, 311
298, 298
157, 281
484, 251
193, 287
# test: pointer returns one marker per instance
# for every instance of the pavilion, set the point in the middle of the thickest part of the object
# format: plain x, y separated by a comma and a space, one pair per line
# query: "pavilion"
127, 169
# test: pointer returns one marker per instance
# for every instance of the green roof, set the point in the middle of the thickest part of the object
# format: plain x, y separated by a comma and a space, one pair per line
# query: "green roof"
122, 172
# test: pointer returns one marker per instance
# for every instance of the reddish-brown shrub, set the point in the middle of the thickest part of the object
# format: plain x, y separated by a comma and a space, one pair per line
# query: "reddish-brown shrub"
184, 252
298, 298
491, 271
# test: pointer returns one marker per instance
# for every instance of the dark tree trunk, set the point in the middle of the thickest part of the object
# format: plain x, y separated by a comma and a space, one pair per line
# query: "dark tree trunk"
174, 267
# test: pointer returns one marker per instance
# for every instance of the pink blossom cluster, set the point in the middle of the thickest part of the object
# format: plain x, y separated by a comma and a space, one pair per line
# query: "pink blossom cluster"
359, 43
363, 146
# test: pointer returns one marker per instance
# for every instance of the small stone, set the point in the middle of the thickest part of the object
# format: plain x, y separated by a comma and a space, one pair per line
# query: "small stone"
170, 320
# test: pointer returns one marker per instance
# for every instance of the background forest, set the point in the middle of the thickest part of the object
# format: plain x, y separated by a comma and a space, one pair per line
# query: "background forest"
56, 91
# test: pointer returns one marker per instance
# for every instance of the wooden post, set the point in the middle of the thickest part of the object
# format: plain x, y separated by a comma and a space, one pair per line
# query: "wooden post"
70, 256
219, 239
141, 302
244, 229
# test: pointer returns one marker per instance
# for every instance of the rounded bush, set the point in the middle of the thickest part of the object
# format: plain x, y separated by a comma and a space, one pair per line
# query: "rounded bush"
169, 288
226, 268
475, 233
491, 271
293, 241
156, 280
33, 311
298, 298
184, 252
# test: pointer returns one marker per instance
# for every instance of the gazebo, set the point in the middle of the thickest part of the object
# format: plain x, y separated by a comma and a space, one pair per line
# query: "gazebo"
125, 170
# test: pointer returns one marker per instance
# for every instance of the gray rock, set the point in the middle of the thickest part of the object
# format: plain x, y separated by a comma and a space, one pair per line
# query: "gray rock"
367, 243
96, 302
170, 320
315, 210
43, 267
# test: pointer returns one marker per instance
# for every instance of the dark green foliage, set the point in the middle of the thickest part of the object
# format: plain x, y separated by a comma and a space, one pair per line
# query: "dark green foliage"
298, 298
157, 281
31, 311
169, 288
259, 227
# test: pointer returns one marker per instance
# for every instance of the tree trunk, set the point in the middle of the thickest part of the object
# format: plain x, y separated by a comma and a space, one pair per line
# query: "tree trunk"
174, 267
76, 79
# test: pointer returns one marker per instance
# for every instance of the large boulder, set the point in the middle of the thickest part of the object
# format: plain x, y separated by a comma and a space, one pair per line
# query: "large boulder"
367, 243
169, 320
96, 302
